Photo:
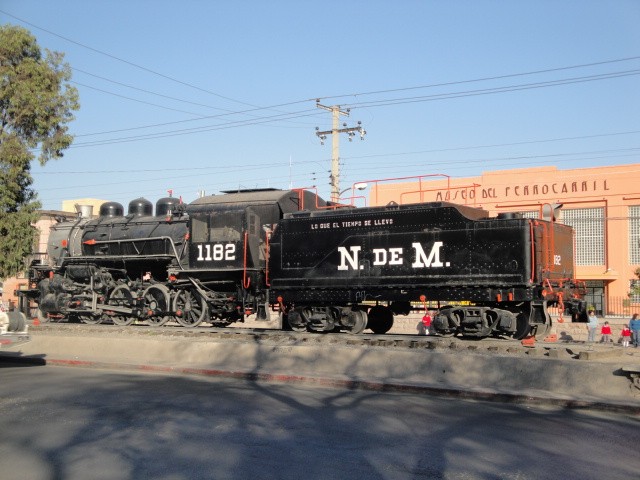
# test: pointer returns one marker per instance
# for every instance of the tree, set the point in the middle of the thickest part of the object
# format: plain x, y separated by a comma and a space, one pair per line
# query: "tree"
635, 287
36, 103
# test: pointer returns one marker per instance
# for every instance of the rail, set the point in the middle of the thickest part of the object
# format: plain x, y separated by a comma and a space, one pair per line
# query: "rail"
246, 281
418, 178
420, 191
300, 191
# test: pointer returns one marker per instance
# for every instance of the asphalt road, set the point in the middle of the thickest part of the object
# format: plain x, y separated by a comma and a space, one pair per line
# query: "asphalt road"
68, 423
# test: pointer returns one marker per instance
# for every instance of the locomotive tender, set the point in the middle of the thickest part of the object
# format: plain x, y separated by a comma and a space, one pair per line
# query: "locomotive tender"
320, 266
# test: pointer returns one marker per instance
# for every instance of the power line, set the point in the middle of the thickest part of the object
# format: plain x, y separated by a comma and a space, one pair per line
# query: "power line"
483, 79
549, 155
302, 113
208, 128
380, 103
355, 105
528, 142
177, 122
133, 99
148, 70
378, 155
604, 62
464, 165
201, 116
490, 91
115, 82
269, 165
283, 182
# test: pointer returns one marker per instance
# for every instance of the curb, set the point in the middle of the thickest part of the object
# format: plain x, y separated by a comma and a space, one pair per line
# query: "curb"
351, 384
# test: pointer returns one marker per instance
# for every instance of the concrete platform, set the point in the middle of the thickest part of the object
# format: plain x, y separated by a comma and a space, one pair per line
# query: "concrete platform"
597, 383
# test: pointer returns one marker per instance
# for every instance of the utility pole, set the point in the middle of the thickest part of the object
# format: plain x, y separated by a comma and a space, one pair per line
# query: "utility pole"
335, 143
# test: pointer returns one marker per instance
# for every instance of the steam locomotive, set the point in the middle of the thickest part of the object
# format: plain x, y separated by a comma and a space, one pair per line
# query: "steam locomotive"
318, 265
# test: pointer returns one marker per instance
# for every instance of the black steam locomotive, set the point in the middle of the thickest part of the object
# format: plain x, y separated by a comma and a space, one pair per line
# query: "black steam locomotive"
320, 266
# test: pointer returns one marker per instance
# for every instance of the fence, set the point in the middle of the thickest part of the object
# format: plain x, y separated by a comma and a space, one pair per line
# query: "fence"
621, 307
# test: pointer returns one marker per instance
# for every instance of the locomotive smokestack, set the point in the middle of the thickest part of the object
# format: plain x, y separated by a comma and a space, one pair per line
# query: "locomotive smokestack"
84, 211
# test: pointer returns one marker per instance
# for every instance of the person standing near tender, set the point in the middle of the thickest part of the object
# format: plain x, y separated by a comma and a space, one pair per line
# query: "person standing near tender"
426, 322
592, 326
625, 334
606, 333
634, 326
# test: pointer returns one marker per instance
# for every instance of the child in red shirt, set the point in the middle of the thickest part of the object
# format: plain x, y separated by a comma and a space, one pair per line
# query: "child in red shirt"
426, 323
626, 335
606, 333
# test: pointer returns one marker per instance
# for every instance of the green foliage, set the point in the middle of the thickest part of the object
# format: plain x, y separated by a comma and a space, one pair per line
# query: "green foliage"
35, 105
635, 290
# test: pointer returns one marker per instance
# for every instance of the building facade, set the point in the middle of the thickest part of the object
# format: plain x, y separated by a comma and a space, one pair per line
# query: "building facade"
602, 205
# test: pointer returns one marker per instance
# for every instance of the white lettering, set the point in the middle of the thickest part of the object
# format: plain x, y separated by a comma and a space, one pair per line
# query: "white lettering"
395, 256
379, 256
216, 252
352, 259
434, 256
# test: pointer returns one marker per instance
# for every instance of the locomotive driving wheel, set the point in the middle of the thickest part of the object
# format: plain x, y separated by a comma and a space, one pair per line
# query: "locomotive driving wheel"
191, 309
88, 318
121, 296
42, 317
156, 304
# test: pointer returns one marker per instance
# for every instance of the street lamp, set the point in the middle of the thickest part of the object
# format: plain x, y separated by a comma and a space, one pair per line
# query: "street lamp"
356, 186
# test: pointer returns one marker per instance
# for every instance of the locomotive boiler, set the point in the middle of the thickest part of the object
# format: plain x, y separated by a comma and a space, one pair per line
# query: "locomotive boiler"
111, 259
318, 266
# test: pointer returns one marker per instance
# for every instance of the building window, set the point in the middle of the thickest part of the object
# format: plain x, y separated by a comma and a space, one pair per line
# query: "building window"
634, 290
588, 224
634, 235
530, 214
595, 295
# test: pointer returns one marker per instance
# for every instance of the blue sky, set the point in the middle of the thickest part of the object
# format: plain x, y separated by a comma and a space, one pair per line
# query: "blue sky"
213, 95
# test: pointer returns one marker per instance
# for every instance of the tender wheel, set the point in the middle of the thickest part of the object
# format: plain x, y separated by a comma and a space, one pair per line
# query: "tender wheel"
523, 328
358, 322
295, 321
445, 322
542, 331
121, 296
156, 303
194, 309
380, 319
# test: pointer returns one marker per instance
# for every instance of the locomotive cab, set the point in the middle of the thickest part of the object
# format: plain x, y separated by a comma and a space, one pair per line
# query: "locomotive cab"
228, 233
229, 247
218, 239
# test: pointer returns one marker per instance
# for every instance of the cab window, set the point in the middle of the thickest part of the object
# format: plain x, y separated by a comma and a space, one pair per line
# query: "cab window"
226, 227
199, 228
